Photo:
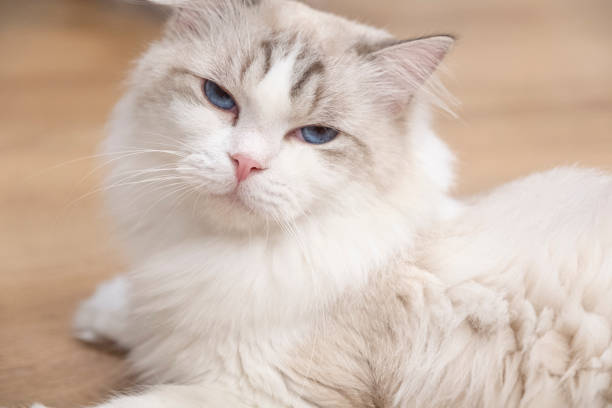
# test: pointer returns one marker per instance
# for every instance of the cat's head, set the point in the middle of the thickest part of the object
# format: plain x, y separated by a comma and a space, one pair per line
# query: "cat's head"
268, 110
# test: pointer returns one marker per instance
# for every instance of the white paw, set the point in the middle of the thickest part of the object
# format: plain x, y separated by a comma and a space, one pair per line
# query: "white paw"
102, 317
38, 406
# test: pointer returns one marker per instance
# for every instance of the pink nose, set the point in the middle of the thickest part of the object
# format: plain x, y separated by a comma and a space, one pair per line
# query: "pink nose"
245, 166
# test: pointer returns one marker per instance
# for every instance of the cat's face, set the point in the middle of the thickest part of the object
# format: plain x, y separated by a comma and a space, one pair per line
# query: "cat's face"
275, 111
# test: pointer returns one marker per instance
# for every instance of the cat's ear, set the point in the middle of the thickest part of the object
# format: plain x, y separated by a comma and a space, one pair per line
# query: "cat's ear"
191, 16
404, 67
188, 16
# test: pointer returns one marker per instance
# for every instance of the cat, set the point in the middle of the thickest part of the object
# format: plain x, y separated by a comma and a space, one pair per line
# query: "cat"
285, 210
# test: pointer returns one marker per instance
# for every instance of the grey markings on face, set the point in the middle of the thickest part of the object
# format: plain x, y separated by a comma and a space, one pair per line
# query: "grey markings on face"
316, 68
268, 48
308, 65
356, 156
266, 51
177, 81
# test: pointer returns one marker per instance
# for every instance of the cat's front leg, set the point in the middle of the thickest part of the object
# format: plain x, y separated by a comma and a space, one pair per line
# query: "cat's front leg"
104, 316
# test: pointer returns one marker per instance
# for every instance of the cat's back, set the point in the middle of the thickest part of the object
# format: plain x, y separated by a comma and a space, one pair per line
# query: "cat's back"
560, 220
543, 245
546, 239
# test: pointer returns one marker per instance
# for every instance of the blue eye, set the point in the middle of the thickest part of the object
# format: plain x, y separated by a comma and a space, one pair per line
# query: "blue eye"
318, 134
218, 96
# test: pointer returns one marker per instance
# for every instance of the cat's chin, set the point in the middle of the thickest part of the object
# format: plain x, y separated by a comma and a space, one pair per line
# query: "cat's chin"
242, 211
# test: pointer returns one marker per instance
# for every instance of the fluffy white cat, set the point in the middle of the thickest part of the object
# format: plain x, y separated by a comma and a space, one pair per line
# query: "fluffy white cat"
285, 211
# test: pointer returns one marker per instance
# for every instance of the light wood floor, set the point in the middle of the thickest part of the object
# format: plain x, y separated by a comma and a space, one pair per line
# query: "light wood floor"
535, 78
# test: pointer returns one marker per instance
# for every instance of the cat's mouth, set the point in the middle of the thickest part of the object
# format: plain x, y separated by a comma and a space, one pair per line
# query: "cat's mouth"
256, 197
241, 198
248, 199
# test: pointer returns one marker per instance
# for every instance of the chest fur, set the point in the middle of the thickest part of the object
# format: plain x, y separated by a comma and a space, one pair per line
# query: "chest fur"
408, 342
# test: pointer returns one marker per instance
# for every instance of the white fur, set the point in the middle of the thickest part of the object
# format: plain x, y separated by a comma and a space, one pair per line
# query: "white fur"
223, 291
103, 316
543, 245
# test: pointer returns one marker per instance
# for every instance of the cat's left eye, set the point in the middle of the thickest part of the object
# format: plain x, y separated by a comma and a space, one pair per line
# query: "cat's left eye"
318, 134
218, 96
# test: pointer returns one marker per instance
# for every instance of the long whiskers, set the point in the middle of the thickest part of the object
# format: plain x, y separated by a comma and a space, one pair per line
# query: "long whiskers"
128, 154
181, 188
123, 183
124, 152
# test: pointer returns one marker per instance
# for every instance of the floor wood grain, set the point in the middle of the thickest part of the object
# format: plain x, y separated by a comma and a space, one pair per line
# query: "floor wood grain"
534, 78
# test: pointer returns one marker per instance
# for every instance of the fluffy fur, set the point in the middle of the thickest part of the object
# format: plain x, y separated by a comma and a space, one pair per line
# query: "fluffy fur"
343, 275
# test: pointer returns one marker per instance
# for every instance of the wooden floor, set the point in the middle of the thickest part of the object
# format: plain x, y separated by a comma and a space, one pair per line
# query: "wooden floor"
535, 79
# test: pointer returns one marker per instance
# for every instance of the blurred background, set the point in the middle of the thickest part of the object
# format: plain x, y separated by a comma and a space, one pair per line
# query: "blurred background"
534, 79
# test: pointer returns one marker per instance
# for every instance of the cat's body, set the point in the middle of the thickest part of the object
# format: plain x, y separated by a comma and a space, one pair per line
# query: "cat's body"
341, 274
476, 315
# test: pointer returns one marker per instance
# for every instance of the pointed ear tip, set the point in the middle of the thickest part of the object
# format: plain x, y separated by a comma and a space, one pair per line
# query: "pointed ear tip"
449, 39
446, 42
452, 37
442, 41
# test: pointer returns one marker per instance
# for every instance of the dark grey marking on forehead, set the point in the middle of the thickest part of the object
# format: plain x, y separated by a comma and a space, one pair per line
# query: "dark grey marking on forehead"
267, 49
251, 3
285, 42
316, 68
278, 46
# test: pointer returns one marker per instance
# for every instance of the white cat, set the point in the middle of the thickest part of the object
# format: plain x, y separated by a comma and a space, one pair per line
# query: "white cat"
285, 210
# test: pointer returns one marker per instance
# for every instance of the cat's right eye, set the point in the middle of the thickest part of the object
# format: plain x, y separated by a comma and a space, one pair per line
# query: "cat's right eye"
218, 96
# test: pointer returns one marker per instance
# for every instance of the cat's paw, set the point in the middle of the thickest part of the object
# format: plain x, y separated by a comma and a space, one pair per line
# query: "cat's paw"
102, 318
37, 405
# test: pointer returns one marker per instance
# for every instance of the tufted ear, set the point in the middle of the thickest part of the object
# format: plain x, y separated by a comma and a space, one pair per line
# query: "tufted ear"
405, 66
